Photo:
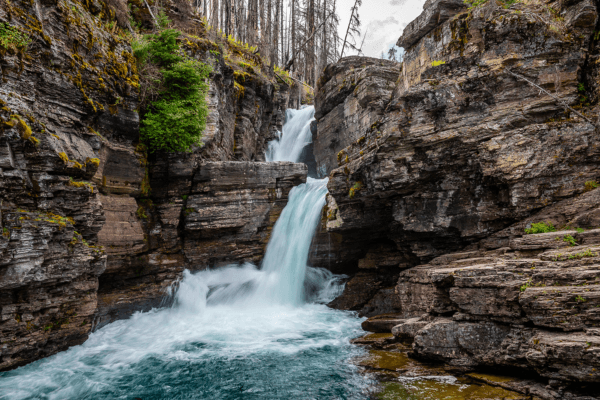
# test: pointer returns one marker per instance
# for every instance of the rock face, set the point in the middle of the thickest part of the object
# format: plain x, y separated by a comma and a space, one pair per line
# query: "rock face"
352, 94
533, 305
462, 149
93, 228
462, 156
212, 214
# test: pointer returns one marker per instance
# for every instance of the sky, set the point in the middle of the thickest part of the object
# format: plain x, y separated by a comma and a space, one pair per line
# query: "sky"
383, 20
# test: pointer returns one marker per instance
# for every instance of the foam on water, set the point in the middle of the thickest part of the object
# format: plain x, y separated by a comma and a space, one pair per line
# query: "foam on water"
238, 332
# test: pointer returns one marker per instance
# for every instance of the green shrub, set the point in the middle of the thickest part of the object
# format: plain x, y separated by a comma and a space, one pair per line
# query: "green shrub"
570, 240
540, 227
176, 121
162, 19
141, 49
438, 63
13, 38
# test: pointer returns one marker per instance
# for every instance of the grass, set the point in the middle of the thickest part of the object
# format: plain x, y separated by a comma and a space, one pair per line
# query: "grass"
472, 4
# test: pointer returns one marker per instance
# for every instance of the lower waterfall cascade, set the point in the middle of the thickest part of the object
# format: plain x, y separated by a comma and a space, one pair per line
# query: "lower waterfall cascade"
231, 333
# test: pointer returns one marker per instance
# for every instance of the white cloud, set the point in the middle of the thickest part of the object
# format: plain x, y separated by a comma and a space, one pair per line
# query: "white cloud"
384, 19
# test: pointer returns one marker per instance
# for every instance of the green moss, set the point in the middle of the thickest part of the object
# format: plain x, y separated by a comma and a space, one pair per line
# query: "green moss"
63, 156
22, 127
354, 189
81, 184
591, 185
141, 213
93, 161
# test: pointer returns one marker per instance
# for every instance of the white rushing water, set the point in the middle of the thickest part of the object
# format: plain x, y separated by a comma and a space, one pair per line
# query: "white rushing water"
295, 136
239, 332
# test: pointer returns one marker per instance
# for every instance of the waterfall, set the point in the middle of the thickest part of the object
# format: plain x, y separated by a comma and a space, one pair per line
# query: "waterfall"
239, 332
283, 277
296, 134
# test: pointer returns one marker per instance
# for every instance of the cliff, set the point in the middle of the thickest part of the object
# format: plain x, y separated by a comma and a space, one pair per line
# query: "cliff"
93, 226
449, 157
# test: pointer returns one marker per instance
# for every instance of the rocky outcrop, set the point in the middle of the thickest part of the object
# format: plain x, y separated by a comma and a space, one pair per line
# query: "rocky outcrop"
93, 227
352, 94
212, 214
464, 148
532, 305
446, 175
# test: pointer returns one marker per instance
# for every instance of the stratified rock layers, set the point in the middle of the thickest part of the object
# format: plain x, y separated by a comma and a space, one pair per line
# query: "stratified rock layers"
460, 148
213, 214
92, 227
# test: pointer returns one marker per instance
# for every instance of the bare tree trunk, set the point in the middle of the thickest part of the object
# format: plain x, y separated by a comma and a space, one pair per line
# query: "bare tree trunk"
262, 22
275, 57
282, 31
214, 15
311, 31
293, 49
348, 30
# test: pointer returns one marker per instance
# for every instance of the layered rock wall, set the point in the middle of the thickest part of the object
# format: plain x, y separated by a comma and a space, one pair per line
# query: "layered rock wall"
464, 148
429, 204
212, 214
93, 227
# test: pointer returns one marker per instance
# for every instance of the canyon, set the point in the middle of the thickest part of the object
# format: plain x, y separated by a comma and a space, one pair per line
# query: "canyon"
438, 167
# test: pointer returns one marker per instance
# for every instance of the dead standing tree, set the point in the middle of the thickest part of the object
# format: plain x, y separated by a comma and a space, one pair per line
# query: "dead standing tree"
353, 28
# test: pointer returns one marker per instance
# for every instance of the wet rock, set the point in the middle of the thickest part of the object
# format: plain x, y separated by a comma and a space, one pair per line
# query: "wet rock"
382, 323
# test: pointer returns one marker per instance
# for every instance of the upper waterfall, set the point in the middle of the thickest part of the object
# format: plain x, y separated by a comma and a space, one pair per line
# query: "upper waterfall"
296, 134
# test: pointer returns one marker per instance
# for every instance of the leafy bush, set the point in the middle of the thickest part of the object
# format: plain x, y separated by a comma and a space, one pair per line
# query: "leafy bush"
540, 227
162, 19
438, 63
141, 49
13, 38
176, 121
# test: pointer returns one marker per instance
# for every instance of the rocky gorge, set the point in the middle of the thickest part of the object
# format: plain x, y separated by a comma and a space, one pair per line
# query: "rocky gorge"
438, 168
94, 227
441, 165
